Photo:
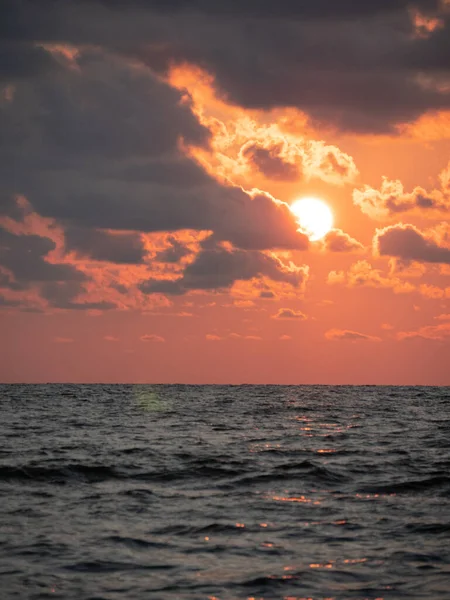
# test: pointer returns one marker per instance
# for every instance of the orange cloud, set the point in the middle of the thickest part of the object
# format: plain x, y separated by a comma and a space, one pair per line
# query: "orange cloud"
351, 336
434, 292
151, 337
232, 336
406, 268
430, 332
247, 141
63, 340
362, 273
391, 198
212, 338
337, 240
244, 304
238, 336
268, 289
425, 25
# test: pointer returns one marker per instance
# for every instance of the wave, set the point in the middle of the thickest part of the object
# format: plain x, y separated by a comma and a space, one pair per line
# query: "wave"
132, 542
60, 475
100, 566
403, 487
427, 528
291, 471
210, 528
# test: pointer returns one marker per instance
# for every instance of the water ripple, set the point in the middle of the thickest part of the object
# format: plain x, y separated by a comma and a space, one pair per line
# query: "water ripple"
224, 492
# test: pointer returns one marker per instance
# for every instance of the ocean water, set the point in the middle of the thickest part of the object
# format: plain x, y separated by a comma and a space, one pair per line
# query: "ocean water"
223, 492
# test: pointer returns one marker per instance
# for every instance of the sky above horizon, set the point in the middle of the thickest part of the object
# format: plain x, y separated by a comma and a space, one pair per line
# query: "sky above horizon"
150, 155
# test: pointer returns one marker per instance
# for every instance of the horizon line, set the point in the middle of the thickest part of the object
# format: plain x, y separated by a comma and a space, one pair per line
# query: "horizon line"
437, 385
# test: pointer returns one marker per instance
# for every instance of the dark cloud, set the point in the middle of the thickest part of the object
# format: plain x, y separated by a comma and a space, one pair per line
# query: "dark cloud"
97, 147
174, 253
99, 108
163, 286
269, 162
354, 65
355, 75
20, 60
220, 268
289, 313
105, 246
356, 99
76, 141
119, 287
61, 293
64, 294
7, 280
8, 302
60, 284
408, 243
327, 9
25, 257
248, 222
30, 20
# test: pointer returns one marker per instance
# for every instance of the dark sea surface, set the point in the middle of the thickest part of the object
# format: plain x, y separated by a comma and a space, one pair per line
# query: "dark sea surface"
222, 492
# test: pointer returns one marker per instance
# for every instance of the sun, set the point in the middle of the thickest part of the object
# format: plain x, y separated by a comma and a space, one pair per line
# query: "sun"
314, 217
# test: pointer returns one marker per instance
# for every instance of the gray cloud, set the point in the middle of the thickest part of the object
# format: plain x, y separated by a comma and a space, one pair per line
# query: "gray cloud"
267, 295
326, 9
96, 147
25, 257
100, 109
269, 162
356, 74
8, 302
408, 243
20, 60
219, 268
60, 284
289, 313
104, 246
93, 139
64, 294
162, 286
174, 253
355, 65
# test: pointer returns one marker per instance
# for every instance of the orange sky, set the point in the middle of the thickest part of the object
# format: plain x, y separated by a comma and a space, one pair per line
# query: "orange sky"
232, 292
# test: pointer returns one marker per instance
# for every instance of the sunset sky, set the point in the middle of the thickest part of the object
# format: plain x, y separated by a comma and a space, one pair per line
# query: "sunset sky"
150, 154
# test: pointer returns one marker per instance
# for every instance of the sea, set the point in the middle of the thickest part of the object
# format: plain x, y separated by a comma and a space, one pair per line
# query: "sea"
166, 492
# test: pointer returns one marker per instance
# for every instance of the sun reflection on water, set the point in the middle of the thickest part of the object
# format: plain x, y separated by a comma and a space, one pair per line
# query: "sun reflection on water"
148, 399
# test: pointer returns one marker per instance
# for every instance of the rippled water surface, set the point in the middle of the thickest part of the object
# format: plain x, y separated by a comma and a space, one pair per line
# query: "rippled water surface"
221, 492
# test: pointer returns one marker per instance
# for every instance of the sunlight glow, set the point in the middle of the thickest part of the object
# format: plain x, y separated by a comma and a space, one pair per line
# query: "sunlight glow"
314, 217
